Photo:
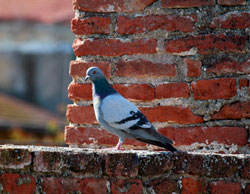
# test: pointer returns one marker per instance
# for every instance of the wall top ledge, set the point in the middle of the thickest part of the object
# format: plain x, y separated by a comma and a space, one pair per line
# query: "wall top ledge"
86, 162
139, 153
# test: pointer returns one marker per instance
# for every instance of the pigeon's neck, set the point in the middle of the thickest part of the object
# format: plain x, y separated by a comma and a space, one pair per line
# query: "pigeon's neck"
102, 88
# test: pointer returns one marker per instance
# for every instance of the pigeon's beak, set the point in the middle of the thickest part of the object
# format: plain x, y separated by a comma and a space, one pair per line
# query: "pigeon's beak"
86, 78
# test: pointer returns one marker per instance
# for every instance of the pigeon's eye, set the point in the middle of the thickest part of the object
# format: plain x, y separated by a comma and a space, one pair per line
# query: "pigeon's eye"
94, 72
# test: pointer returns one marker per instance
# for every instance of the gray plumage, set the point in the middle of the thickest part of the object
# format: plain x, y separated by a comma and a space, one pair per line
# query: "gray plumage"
119, 116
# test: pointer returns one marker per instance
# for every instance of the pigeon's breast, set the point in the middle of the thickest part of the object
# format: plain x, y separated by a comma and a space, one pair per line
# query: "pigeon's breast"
96, 104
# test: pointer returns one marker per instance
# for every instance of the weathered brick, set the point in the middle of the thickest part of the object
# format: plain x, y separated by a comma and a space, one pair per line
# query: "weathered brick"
166, 186
122, 164
243, 83
224, 88
155, 165
79, 68
107, 6
198, 164
86, 163
175, 114
207, 44
142, 92
142, 68
126, 186
14, 158
237, 110
232, 20
81, 114
224, 187
77, 92
207, 135
193, 67
189, 163
17, 184
227, 65
186, 3
224, 165
140, 24
114, 47
172, 90
190, 186
232, 2
49, 161
91, 25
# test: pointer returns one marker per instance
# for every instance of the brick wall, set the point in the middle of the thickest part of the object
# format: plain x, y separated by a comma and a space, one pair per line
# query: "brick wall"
34, 169
184, 63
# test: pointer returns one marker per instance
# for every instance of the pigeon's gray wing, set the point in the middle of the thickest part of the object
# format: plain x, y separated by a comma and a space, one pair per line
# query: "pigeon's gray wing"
123, 115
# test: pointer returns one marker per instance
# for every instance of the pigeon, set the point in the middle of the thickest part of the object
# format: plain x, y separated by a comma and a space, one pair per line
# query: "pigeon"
121, 117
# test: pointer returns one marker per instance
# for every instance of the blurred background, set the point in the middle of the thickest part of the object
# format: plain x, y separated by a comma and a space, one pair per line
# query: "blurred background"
35, 50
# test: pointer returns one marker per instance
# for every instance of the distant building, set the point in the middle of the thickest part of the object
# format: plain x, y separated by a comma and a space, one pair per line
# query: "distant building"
35, 50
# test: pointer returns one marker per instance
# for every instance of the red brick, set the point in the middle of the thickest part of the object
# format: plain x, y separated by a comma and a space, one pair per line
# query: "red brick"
246, 170
165, 186
232, 2
224, 88
243, 83
77, 92
114, 47
142, 92
247, 189
207, 44
94, 186
58, 185
85, 135
81, 114
245, 66
126, 186
237, 110
140, 24
144, 69
17, 184
193, 67
190, 135
192, 186
91, 25
186, 3
79, 68
122, 164
107, 6
172, 114
172, 90
224, 187
232, 20
227, 65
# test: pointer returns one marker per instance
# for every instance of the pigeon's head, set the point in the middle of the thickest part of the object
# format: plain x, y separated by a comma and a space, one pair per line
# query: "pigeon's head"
94, 73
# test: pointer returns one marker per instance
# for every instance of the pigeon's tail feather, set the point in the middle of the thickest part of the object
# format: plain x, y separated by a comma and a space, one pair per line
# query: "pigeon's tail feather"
158, 143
